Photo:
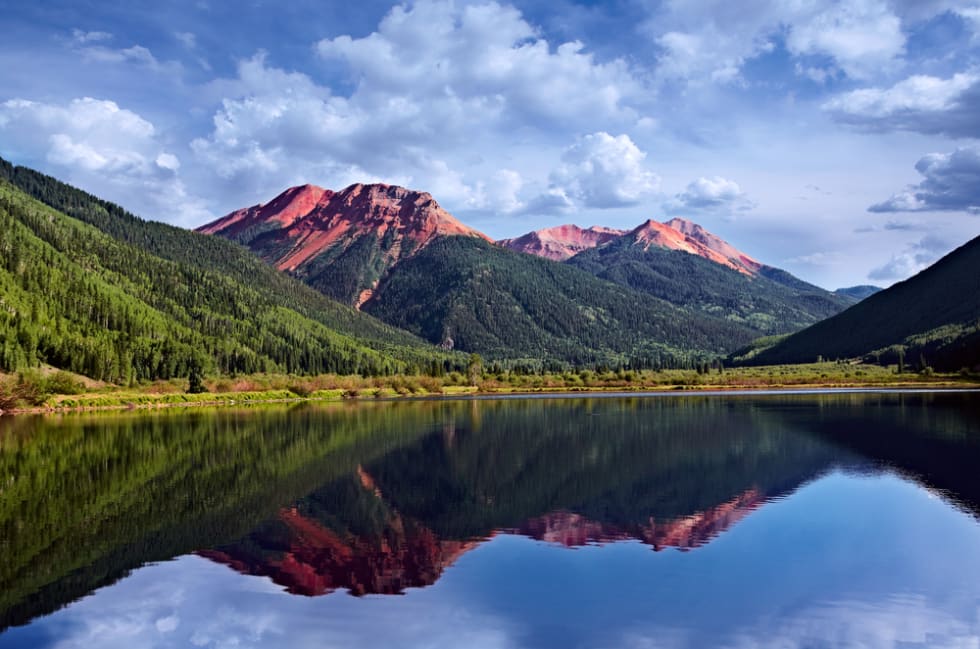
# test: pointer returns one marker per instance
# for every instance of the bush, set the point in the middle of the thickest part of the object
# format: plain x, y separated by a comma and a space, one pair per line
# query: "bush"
63, 383
28, 389
300, 390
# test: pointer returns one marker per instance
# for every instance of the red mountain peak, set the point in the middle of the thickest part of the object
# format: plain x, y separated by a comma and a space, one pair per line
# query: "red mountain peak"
283, 210
681, 234
561, 242
739, 259
305, 222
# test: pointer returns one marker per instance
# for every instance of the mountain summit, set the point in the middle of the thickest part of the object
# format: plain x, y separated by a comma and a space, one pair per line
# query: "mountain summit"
562, 241
342, 242
565, 241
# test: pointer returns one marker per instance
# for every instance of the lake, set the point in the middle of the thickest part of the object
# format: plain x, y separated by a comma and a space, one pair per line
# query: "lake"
817, 520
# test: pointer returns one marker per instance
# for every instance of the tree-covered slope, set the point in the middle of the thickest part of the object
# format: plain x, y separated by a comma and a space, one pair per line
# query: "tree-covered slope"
935, 315
771, 302
199, 253
506, 304
79, 299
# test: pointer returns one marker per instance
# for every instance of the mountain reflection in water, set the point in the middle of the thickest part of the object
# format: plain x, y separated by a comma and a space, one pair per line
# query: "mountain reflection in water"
378, 498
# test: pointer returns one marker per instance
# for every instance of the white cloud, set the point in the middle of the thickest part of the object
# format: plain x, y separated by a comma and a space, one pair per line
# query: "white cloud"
710, 194
710, 40
552, 201
916, 257
187, 39
901, 620
80, 36
108, 150
436, 86
503, 192
951, 182
602, 171
480, 64
862, 36
920, 103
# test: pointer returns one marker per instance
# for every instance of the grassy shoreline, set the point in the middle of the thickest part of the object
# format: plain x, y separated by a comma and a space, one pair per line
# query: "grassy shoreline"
292, 389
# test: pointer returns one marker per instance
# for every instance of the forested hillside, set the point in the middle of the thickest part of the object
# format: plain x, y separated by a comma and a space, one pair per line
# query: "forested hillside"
207, 254
931, 319
508, 304
771, 302
110, 308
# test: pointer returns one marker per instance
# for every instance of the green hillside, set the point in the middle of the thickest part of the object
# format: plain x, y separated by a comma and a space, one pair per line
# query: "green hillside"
210, 254
121, 299
506, 304
934, 317
772, 303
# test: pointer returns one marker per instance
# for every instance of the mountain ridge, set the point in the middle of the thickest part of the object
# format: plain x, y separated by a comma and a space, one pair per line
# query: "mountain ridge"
306, 229
933, 318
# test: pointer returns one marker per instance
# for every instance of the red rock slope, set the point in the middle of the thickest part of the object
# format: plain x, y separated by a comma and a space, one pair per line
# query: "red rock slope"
565, 241
561, 242
306, 229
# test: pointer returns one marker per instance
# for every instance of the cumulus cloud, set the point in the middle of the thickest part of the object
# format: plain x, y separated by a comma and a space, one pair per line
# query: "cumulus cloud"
710, 194
482, 63
434, 85
920, 103
951, 183
601, 171
861, 36
712, 39
109, 150
916, 257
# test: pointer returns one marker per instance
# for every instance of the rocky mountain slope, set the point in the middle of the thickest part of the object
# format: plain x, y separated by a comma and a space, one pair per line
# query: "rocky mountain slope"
341, 243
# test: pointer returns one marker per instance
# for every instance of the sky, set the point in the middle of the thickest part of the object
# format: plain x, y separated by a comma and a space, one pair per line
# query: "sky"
837, 140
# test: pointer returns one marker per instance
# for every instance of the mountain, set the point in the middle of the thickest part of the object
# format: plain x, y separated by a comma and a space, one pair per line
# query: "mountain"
858, 292
561, 242
90, 288
697, 241
682, 263
565, 241
396, 254
934, 316
504, 304
341, 243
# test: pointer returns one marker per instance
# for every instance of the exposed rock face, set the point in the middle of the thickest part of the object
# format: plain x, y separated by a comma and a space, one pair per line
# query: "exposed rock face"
566, 241
715, 243
561, 242
653, 233
358, 233
283, 211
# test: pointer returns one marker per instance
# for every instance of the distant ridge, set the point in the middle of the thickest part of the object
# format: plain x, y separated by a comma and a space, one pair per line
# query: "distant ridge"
565, 241
858, 292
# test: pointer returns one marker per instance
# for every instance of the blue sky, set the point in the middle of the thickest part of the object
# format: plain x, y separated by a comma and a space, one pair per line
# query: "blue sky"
838, 140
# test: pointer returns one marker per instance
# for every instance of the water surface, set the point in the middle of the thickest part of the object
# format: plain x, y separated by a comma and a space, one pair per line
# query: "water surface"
691, 521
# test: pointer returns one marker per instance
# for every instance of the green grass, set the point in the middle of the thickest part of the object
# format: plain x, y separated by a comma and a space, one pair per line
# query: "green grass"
277, 387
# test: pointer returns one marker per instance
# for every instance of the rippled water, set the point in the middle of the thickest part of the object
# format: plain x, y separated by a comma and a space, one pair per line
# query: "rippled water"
690, 521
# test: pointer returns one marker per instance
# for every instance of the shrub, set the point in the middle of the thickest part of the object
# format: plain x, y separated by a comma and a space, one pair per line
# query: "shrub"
28, 388
300, 390
63, 383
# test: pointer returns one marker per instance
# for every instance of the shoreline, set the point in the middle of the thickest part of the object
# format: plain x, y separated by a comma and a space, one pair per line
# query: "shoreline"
209, 400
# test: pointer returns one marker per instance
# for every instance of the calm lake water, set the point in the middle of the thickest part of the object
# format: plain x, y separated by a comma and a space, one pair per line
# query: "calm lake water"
833, 520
